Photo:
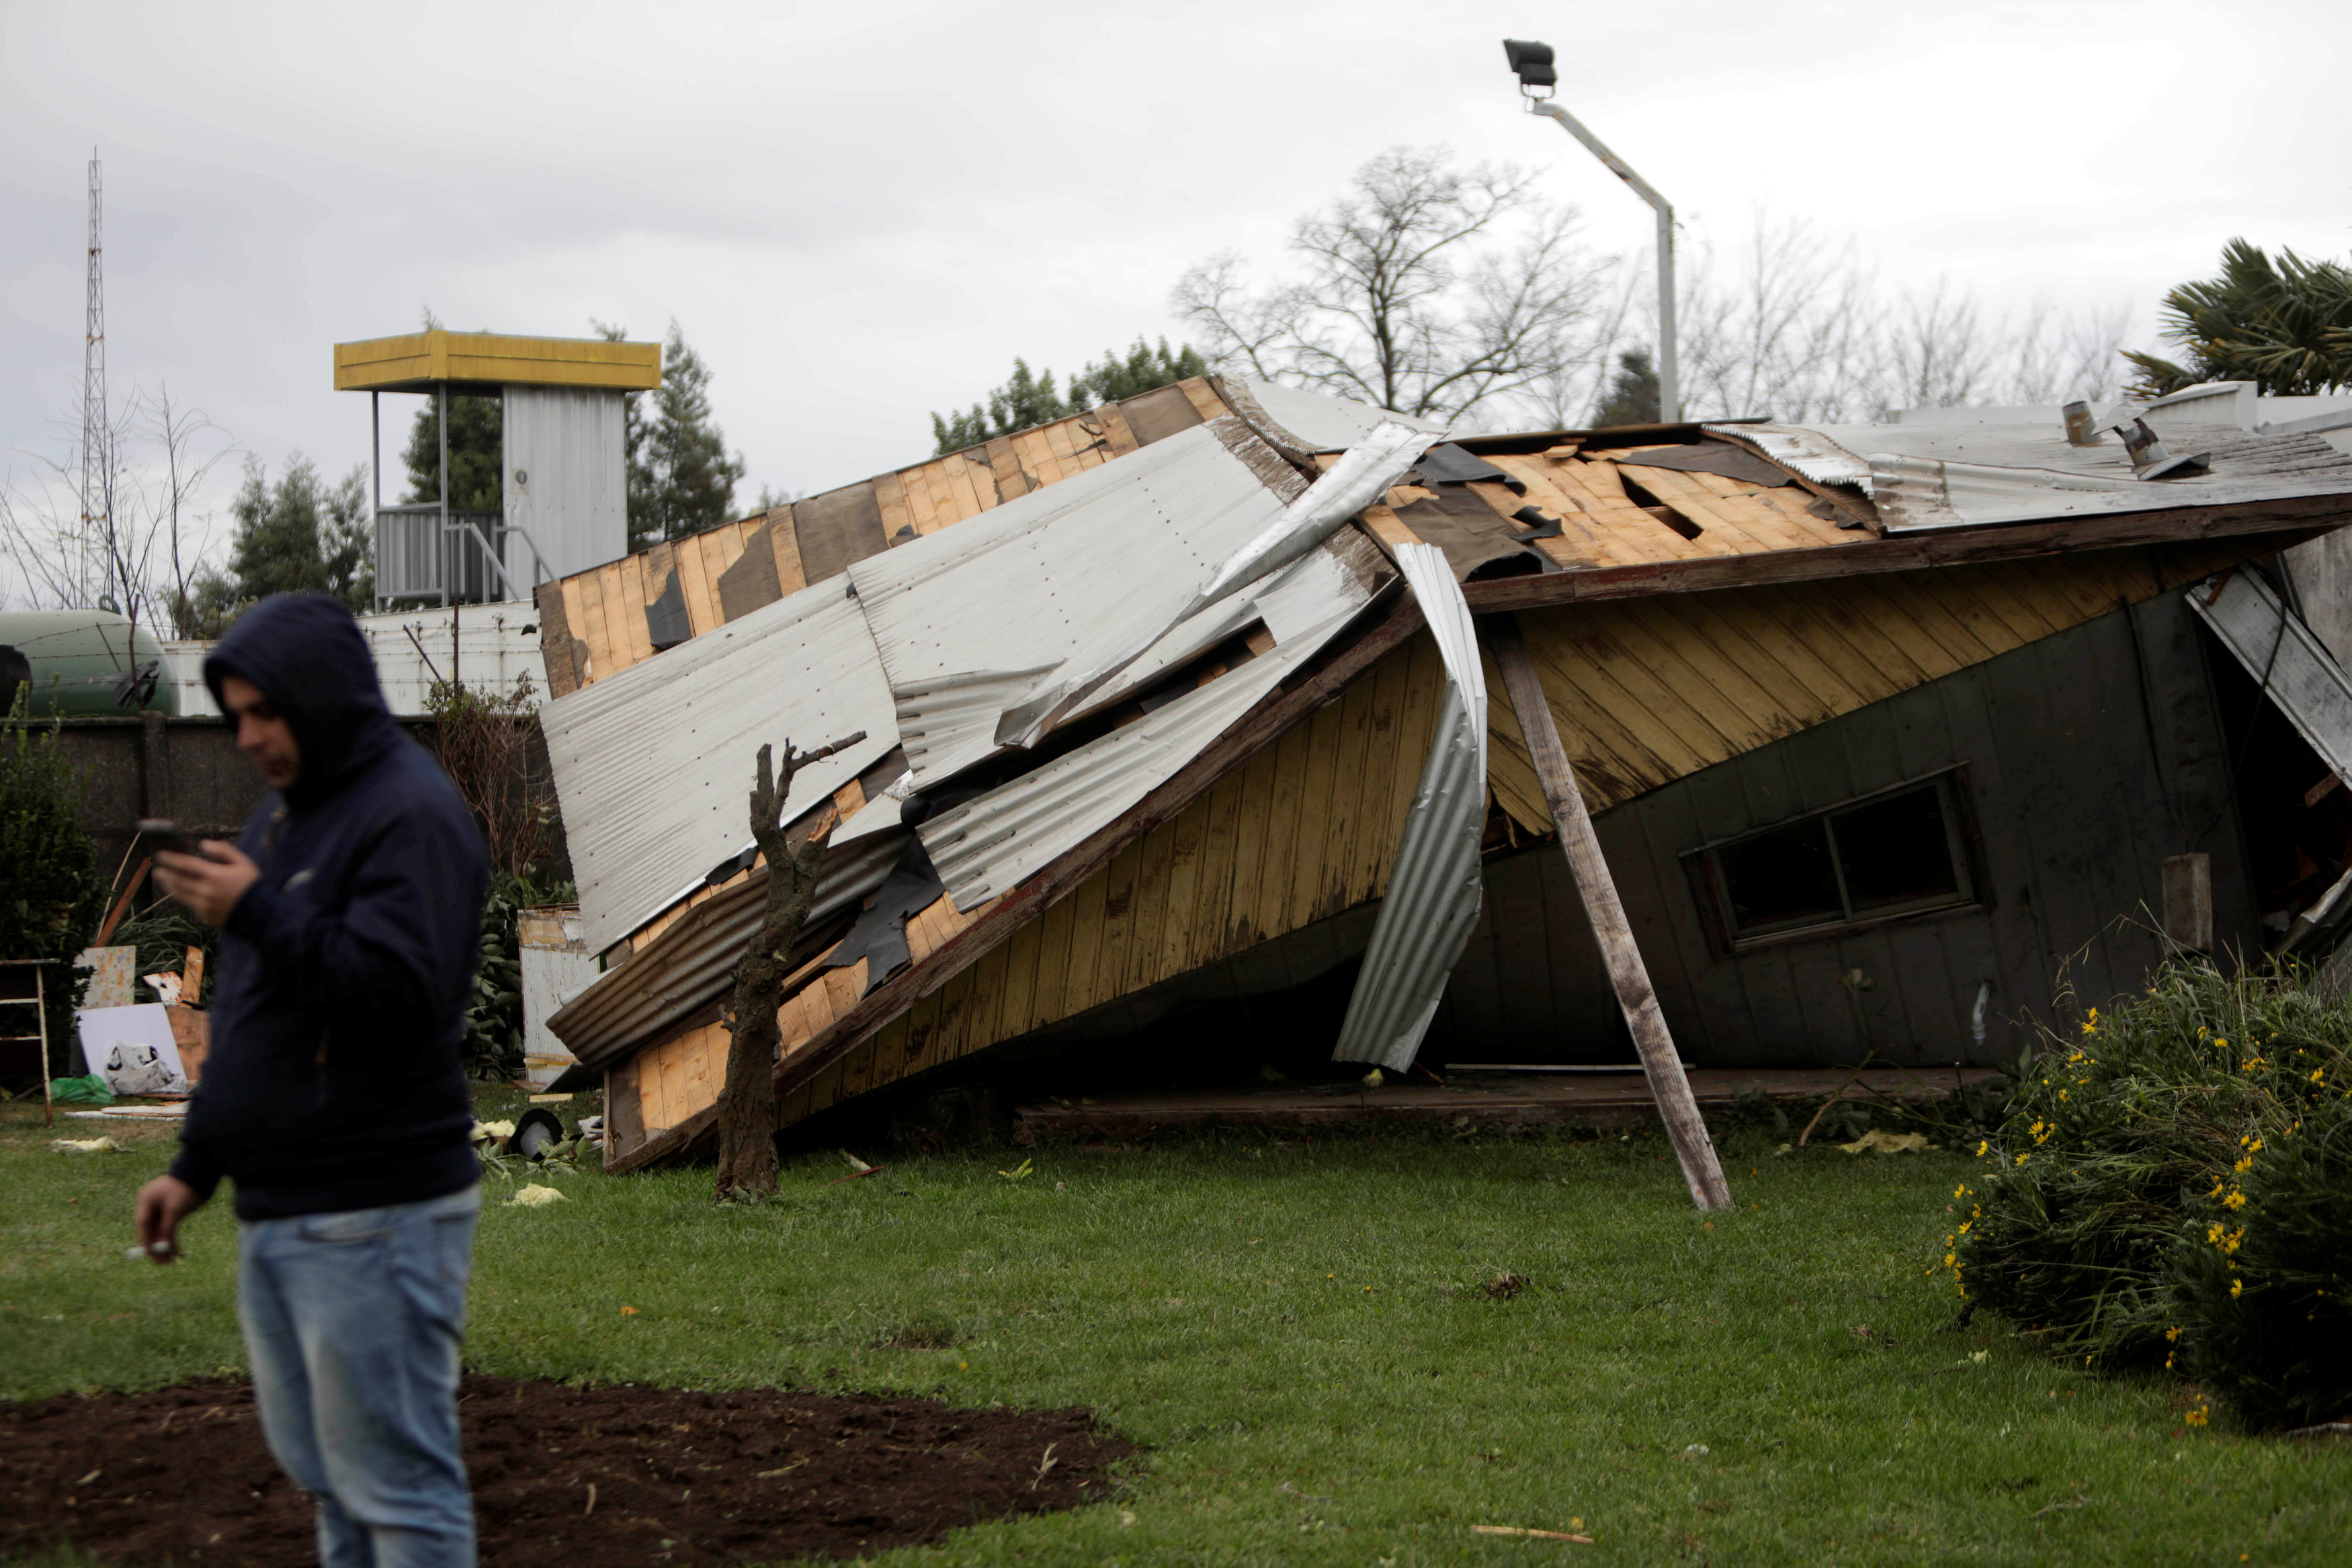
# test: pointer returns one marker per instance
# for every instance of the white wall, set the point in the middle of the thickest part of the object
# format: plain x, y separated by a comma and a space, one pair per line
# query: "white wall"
498, 642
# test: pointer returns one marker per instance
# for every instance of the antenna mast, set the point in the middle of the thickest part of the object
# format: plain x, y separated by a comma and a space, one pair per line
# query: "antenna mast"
97, 508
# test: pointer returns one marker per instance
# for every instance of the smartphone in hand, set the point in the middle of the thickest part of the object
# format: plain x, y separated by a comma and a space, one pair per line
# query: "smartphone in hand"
162, 834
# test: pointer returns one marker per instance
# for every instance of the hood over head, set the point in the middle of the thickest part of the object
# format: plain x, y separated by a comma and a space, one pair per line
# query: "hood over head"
306, 654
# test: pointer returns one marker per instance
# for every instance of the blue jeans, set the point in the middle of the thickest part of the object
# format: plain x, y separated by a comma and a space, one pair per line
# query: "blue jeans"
352, 1321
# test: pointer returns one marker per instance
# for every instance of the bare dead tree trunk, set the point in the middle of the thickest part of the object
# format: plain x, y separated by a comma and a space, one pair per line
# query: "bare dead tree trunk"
746, 1103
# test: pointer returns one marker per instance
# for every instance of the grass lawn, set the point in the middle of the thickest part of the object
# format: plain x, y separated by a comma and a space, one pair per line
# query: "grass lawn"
1300, 1336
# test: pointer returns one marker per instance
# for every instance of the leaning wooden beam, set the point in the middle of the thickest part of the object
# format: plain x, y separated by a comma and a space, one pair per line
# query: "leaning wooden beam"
1007, 913
1660, 1061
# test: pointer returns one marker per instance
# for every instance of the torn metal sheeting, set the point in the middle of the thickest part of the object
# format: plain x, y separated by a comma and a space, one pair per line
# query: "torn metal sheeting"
691, 964
653, 764
1930, 477
2293, 668
1315, 421
1362, 476
1433, 892
1806, 453
1060, 577
995, 841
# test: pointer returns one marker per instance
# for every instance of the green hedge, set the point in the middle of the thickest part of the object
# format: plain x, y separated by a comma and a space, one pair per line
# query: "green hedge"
2173, 1187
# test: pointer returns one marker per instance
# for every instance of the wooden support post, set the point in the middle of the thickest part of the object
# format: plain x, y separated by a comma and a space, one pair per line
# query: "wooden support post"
1660, 1061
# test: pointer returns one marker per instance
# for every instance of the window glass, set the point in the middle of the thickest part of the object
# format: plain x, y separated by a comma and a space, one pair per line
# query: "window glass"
1783, 879
1896, 853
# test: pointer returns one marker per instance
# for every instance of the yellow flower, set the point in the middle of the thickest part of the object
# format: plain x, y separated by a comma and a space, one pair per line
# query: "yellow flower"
1964, 1226
2218, 1182
2063, 1093
2173, 1332
2244, 1164
2198, 1416
2235, 1200
1983, 1146
2319, 1075
1951, 1259
2022, 1158
2236, 1286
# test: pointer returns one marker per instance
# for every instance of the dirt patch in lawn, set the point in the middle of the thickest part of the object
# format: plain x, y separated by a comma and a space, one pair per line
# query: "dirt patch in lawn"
561, 1476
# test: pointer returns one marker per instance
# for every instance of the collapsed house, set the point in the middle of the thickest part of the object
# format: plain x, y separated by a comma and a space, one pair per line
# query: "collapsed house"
1882, 728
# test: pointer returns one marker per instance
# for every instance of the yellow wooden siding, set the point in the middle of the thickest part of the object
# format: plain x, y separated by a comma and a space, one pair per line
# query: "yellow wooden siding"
1647, 690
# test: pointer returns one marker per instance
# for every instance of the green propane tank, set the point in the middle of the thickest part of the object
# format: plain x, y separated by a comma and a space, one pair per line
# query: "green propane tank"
83, 662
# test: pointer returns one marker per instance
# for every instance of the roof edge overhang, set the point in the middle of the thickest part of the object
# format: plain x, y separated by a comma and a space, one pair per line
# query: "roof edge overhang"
484, 361
2291, 520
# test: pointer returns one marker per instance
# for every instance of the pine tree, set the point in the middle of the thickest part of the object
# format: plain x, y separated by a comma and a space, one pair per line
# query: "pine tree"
477, 458
1633, 397
1027, 400
300, 535
1144, 369
1023, 403
681, 480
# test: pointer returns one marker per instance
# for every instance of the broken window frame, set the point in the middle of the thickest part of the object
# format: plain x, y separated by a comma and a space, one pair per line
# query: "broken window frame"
1711, 885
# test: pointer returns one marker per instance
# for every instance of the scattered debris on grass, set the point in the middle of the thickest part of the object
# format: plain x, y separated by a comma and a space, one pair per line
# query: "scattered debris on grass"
561, 1475
1503, 1287
1876, 1142
1526, 1533
533, 1196
86, 1146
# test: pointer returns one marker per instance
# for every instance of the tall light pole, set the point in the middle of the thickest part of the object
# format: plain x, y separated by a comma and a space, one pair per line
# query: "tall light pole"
1533, 64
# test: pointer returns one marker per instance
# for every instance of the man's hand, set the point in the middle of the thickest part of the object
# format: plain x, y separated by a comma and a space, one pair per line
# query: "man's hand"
162, 1204
208, 885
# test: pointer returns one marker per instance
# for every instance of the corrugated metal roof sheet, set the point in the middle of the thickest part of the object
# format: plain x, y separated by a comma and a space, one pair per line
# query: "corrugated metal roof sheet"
1930, 477
990, 843
1362, 476
1061, 578
1316, 422
653, 765
693, 962
1433, 896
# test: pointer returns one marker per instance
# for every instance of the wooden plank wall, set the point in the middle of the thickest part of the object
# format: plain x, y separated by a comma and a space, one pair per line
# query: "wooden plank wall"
603, 610
1304, 830
1649, 690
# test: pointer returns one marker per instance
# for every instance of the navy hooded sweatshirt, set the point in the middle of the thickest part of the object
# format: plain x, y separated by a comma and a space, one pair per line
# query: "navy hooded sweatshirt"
336, 1079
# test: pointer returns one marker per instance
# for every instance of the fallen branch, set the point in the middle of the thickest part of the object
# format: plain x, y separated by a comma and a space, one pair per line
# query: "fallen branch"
1832, 1100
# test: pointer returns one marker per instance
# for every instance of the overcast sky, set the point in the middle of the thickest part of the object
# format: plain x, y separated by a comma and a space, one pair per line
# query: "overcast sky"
860, 213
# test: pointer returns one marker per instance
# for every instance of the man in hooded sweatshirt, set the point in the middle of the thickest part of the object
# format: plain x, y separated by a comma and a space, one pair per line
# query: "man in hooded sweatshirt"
335, 1093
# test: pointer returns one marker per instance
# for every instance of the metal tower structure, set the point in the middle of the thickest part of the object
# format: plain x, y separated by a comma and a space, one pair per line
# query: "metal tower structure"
97, 510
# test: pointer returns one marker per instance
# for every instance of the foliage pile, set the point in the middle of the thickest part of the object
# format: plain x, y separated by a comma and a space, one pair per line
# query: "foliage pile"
2173, 1187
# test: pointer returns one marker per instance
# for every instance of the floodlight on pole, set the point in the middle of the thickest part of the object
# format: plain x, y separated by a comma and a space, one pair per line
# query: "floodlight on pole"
1532, 63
